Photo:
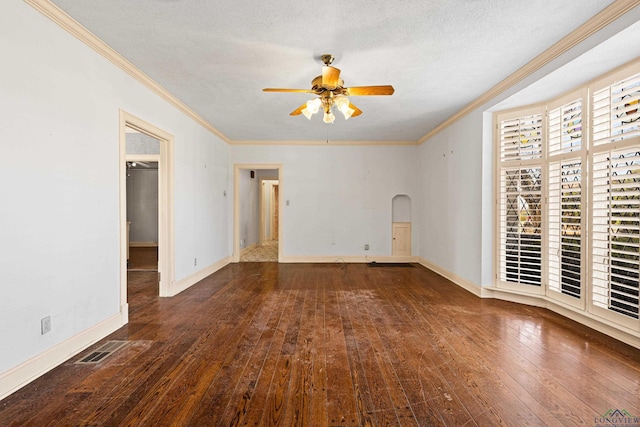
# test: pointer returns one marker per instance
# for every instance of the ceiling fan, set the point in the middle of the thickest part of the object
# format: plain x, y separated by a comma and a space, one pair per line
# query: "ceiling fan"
331, 93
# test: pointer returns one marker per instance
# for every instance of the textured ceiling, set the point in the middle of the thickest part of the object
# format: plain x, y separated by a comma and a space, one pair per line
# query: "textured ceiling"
439, 55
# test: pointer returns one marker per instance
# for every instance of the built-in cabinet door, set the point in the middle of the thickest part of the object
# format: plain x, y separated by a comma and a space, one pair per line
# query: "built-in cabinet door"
401, 232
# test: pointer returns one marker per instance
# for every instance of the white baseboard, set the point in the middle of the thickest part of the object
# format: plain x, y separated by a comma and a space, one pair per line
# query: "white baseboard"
347, 258
124, 313
191, 280
21, 375
586, 318
605, 326
460, 281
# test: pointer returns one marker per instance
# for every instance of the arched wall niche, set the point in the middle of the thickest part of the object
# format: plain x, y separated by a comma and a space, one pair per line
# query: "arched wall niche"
401, 208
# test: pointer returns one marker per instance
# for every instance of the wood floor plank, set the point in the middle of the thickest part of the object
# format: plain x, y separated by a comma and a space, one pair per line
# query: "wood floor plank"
341, 400
372, 319
301, 391
364, 402
277, 398
381, 408
269, 370
318, 406
245, 388
181, 400
335, 345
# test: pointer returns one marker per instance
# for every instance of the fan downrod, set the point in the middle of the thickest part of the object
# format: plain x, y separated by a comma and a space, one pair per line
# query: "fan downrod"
327, 59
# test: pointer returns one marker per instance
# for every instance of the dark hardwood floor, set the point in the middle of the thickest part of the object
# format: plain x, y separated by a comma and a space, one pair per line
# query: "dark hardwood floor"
335, 345
143, 258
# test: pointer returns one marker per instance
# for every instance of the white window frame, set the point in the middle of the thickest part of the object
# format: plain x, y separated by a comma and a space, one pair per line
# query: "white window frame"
630, 143
499, 165
585, 303
581, 154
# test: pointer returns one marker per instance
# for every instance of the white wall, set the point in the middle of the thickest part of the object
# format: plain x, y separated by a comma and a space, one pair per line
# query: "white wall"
142, 205
249, 208
339, 196
456, 165
59, 257
267, 174
451, 198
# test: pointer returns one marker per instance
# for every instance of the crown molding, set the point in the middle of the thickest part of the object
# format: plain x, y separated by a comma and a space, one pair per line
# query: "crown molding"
325, 142
66, 22
606, 16
586, 30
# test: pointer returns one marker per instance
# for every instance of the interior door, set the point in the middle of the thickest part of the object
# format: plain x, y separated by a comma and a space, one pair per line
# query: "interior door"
275, 206
401, 233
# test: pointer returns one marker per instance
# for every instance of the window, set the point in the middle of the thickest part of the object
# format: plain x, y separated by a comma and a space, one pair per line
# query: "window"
565, 200
616, 225
616, 197
568, 198
521, 199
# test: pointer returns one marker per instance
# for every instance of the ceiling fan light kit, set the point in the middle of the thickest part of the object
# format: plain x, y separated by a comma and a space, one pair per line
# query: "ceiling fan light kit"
331, 93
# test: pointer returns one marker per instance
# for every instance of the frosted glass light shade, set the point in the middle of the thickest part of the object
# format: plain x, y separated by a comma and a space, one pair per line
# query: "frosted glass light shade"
342, 103
348, 113
312, 107
329, 117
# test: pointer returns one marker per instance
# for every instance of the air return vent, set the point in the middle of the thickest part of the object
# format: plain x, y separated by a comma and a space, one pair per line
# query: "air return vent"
103, 352
390, 264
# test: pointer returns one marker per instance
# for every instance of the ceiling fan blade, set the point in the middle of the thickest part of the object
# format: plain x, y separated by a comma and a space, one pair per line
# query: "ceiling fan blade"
298, 110
272, 89
357, 111
330, 77
370, 90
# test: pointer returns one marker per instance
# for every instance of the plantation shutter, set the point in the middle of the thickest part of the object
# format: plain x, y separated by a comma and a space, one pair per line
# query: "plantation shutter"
616, 228
615, 164
565, 231
521, 138
565, 199
616, 111
565, 128
520, 205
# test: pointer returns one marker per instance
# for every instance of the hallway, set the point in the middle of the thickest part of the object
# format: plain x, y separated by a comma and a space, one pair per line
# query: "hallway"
267, 252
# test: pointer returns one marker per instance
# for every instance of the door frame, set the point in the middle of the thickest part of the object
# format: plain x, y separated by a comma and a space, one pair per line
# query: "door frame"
237, 167
166, 253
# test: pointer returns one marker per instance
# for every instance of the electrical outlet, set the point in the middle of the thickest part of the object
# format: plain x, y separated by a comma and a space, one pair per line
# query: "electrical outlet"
366, 247
45, 325
195, 261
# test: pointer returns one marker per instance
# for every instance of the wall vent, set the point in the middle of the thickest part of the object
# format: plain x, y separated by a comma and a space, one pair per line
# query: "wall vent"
98, 355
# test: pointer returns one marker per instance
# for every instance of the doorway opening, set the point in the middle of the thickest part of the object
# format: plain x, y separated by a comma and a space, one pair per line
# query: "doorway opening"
142, 226
257, 213
146, 207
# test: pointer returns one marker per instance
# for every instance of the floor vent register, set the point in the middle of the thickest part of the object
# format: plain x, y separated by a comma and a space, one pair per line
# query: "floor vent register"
101, 353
